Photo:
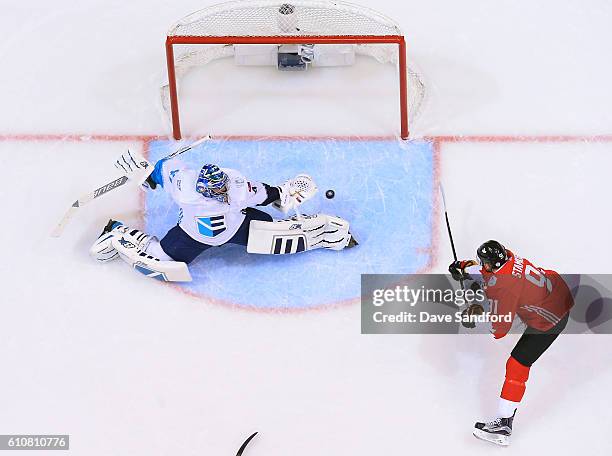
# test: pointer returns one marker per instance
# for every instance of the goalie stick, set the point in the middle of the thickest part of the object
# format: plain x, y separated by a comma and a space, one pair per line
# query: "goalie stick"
115, 183
59, 229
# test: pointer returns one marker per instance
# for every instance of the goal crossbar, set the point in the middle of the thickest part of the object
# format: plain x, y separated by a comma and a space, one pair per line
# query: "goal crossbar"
171, 41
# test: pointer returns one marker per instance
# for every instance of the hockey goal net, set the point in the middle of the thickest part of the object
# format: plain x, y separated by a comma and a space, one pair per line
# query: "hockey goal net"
293, 36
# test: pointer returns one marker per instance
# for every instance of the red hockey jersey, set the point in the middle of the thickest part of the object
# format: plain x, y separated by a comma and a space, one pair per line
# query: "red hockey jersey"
540, 297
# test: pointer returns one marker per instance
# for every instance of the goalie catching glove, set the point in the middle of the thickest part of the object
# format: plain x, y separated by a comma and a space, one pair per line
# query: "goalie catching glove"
294, 192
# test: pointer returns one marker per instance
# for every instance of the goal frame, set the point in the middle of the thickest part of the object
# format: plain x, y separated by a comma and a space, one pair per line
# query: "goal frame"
399, 40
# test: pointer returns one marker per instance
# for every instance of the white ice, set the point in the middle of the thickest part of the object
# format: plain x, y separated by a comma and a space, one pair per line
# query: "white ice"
127, 366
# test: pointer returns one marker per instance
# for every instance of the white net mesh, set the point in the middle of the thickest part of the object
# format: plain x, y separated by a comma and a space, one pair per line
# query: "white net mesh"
277, 18
195, 56
253, 18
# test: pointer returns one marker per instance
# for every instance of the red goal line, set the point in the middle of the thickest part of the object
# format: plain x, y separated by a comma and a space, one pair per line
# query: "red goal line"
85, 137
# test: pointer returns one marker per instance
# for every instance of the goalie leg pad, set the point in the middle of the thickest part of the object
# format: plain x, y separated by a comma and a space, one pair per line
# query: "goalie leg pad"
131, 245
102, 250
298, 235
141, 261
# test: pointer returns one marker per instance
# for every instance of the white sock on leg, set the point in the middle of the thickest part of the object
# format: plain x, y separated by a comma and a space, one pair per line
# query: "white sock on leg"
506, 408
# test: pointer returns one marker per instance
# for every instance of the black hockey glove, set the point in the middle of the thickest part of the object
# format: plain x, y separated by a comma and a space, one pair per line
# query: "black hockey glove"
472, 309
150, 183
457, 269
272, 195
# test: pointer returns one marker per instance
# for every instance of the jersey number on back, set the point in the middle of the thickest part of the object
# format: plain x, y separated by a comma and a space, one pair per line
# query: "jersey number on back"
537, 277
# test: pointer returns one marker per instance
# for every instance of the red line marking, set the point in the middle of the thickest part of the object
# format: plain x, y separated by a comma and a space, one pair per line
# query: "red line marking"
142, 198
521, 138
264, 310
307, 138
443, 139
437, 142
77, 137
436, 211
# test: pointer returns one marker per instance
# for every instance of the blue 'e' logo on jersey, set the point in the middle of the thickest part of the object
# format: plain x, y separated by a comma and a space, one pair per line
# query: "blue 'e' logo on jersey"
211, 226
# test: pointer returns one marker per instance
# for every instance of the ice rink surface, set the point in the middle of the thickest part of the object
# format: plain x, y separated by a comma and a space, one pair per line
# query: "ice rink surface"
385, 189
516, 126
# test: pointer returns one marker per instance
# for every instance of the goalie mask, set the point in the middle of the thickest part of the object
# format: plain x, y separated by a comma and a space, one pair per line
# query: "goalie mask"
213, 183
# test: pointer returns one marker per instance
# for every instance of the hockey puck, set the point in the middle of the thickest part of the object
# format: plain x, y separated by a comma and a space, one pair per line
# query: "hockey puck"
329, 194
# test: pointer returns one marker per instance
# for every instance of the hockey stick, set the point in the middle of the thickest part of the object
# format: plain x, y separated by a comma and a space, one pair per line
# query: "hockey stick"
189, 147
450, 234
115, 183
59, 229
246, 442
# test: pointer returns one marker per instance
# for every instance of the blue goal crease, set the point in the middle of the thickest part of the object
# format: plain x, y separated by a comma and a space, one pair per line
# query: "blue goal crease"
384, 188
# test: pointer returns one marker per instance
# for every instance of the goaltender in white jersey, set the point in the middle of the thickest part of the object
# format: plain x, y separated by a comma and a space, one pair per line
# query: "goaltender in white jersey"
208, 220
216, 206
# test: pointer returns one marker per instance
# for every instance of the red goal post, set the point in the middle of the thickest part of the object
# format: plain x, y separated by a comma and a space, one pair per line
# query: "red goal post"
245, 22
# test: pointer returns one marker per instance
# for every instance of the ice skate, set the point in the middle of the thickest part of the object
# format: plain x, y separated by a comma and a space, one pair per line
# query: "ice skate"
497, 431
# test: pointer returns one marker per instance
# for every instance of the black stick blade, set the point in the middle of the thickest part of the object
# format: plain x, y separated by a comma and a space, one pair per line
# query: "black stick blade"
246, 442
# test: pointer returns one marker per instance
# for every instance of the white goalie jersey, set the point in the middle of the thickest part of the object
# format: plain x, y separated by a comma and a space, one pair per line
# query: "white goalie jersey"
204, 219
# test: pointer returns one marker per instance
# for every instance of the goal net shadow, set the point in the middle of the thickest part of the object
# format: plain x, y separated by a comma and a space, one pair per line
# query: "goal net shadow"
383, 187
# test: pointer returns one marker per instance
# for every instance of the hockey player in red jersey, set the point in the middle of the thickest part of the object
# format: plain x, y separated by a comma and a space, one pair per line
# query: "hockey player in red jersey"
541, 299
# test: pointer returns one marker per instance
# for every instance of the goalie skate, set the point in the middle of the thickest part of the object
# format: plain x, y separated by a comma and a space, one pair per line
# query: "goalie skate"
150, 266
102, 250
